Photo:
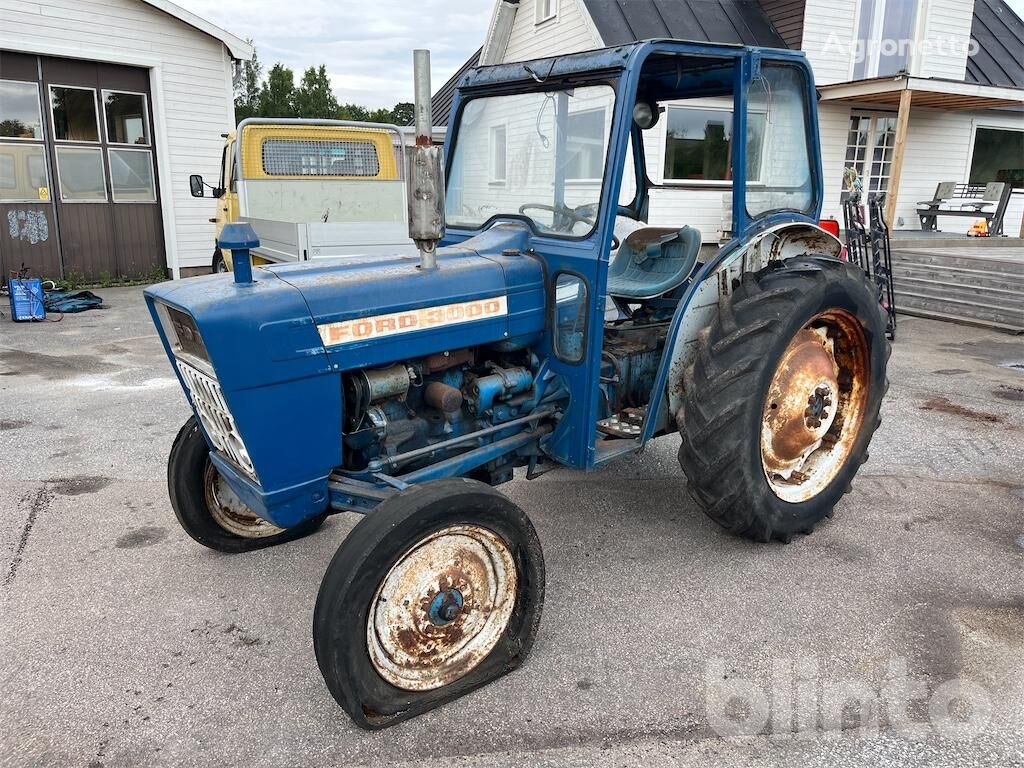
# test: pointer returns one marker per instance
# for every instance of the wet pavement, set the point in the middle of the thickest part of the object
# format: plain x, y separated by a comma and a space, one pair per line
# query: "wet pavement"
894, 635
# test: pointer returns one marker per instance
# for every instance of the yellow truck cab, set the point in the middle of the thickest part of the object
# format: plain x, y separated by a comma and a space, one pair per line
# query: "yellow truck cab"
311, 189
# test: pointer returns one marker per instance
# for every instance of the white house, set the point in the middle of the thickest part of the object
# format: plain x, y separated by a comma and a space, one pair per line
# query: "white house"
941, 101
106, 107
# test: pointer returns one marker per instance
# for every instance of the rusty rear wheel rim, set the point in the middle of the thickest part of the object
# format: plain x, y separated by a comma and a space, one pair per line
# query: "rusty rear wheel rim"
229, 511
814, 408
442, 608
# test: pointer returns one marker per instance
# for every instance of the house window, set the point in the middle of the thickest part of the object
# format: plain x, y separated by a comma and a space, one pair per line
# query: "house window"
698, 144
20, 114
584, 145
998, 156
131, 175
869, 149
80, 171
498, 154
22, 173
546, 9
74, 114
885, 36
127, 117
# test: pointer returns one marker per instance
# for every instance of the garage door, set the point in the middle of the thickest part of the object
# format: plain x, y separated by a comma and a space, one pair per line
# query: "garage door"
78, 169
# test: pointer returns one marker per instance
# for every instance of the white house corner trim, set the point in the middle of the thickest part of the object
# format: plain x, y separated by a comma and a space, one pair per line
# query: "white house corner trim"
588, 20
163, 160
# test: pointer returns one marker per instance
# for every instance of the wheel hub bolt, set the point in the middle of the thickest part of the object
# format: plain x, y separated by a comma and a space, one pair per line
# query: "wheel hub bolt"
445, 607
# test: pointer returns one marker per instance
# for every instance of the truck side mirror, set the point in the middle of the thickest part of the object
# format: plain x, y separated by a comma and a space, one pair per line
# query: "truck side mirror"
195, 184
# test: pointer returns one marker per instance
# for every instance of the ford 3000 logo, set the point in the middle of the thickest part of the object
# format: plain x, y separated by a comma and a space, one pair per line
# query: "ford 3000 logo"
365, 328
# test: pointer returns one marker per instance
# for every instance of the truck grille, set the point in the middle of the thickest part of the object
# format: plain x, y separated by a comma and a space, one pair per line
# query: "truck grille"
212, 410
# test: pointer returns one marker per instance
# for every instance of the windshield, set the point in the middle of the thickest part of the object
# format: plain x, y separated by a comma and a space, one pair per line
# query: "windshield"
539, 155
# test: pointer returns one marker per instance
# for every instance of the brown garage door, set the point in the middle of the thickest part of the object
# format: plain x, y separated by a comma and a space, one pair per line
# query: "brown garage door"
87, 129
28, 224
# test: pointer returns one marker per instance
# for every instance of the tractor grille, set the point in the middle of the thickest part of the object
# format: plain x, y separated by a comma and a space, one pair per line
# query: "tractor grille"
212, 410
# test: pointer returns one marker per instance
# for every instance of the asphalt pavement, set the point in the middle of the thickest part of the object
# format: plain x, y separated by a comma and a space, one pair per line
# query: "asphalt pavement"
894, 635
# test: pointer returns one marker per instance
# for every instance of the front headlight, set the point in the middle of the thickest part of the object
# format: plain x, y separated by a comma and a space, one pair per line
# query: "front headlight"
183, 336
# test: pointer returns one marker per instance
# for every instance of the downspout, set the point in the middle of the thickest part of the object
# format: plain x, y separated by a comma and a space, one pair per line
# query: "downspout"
501, 31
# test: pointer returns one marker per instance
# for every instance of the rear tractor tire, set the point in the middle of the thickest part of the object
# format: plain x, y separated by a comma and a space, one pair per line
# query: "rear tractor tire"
209, 510
783, 398
435, 593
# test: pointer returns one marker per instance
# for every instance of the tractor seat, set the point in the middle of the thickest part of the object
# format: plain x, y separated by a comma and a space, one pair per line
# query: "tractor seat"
652, 261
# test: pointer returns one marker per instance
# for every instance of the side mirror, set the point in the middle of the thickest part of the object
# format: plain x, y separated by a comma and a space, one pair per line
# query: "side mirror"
195, 185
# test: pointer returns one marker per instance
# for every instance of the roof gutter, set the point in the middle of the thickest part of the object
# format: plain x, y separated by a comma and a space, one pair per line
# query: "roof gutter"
501, 30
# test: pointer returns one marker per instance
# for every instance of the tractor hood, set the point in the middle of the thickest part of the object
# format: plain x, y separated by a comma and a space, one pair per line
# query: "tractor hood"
373, 310
351, 312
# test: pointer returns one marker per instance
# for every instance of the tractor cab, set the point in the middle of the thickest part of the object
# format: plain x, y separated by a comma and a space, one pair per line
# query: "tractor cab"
556, 147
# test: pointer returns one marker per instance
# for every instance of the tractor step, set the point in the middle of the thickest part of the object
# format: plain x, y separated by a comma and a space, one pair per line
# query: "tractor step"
629, 423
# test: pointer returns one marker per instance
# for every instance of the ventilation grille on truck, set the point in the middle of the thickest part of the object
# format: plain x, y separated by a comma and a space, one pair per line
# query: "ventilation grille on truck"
212, 410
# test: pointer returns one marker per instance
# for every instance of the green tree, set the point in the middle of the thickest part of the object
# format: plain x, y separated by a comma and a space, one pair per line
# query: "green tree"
314, 97
277, 96
352, 112
403, 113
247, 88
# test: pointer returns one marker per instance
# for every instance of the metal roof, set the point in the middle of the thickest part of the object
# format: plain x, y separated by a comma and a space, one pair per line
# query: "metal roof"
712, 21
999, 33
441, 101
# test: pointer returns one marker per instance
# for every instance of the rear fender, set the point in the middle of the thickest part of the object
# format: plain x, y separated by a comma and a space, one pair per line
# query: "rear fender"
782, 241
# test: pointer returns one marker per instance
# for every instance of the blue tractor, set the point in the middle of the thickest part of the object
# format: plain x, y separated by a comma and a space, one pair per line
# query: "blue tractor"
543, 324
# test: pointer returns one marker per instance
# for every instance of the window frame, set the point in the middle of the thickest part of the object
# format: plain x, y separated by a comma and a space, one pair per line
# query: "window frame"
705, 183
552, 11
868, 176
145, 114
872, 59
492, 144
39, 104
95, 111
553, 319
110, 174
103, 175
974, 145
46, 175
605, 133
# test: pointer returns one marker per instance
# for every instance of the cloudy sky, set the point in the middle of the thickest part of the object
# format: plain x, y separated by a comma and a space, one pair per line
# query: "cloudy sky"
367, 46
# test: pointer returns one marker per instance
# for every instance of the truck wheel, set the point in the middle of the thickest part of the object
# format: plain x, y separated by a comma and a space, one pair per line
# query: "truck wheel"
219, 265
435, 593
783, 398
209, 510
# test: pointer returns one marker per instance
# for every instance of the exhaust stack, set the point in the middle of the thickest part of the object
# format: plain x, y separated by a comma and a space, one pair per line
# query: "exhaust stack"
426, 179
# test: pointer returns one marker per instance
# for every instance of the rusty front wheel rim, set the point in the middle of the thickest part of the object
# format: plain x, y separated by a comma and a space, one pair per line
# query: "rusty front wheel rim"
229, 511
814, 407
442, 608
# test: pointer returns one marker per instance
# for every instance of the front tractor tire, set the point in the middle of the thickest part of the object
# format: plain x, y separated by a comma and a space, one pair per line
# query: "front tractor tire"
783, 397
435, 593
209, 510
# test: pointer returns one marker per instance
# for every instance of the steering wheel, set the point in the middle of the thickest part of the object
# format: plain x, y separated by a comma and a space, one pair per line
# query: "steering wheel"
583, 214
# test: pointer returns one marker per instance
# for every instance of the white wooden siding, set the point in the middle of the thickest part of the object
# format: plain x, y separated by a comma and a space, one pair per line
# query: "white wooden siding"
570, 31
190, 79
833, 126
828, 35
947, 26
